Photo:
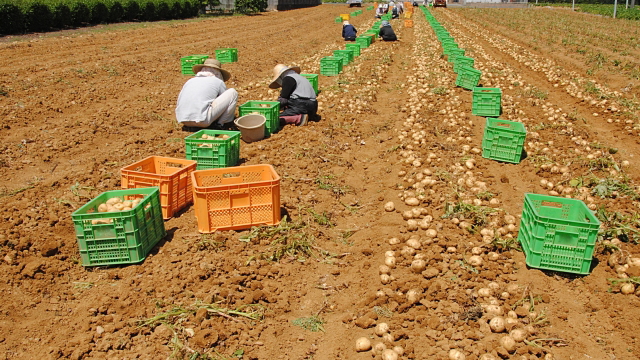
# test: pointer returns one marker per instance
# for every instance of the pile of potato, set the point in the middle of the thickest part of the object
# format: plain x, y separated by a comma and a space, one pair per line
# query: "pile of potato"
115, 204
215, 137
212, 137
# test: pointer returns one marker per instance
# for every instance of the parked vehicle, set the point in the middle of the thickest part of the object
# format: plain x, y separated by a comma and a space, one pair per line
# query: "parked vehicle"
353, 3
440, 3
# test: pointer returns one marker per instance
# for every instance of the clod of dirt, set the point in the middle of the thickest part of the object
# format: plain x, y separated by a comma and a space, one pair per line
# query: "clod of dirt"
49, 248
201, 315
32, 268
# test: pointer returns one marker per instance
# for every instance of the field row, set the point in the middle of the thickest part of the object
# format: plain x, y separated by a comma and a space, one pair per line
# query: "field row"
602, 9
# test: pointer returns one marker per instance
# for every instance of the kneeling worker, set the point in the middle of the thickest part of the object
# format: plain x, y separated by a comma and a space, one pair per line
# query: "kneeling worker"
204, 100
297, 97
386, 32
349, 32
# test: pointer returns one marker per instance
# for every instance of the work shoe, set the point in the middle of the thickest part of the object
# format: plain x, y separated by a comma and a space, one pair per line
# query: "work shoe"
303, 120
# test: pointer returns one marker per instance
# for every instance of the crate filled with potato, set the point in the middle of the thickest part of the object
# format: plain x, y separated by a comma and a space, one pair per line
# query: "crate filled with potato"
171, 175
213, 149
119, 226
236, 198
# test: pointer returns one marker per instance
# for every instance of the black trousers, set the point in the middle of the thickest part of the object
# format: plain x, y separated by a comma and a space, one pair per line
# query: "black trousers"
300, 106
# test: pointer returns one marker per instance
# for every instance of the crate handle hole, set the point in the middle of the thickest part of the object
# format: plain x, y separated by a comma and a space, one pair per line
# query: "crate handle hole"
551, 204
504, 125
231, 175
175, 165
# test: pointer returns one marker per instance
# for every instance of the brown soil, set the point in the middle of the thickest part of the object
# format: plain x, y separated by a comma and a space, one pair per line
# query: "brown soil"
79, 105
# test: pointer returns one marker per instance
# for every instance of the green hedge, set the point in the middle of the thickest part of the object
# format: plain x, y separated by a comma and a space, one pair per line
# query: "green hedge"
19, 16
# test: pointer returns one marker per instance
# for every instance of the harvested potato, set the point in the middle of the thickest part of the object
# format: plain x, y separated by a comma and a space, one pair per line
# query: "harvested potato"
101, 221
113, 201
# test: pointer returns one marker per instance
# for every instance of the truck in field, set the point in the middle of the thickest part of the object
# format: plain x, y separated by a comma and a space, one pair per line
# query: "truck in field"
353, 3
440, 3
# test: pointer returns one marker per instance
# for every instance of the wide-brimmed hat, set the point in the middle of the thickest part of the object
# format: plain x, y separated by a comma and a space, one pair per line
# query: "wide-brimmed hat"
278, 70
213, 63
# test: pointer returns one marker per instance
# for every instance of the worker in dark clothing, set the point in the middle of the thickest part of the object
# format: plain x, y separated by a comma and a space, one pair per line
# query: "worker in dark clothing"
297, 97
349, 32
386, 32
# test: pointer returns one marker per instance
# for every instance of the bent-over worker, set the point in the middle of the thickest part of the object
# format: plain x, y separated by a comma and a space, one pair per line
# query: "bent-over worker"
386, 32
204, 100
297, 97
349, 31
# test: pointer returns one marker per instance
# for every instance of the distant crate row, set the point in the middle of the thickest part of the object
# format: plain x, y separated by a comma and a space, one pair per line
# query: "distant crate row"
555, 233
228, 55
44, 15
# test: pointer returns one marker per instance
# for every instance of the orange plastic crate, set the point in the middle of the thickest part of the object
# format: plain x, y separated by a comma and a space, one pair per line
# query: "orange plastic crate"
236, 198
408, 23
172, 176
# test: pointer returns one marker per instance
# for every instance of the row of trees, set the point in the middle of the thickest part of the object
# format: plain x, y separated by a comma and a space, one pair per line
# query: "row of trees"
46, 15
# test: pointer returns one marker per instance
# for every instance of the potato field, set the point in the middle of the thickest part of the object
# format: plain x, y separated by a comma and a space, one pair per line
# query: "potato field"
397, 239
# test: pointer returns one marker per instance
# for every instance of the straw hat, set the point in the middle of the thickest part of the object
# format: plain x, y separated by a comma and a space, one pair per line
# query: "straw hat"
213, 63
278, 70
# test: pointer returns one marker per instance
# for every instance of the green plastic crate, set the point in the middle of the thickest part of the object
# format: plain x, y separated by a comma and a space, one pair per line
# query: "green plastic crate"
462, 61
363, 41
338, 20
313, 79
355, 48
347, 55
227, 55
122, 237
213, 154
503, 140
448, 46
271, 112
369, 7
331, 65
468, 77
557, 233
187, 62
455, 52
486, 101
